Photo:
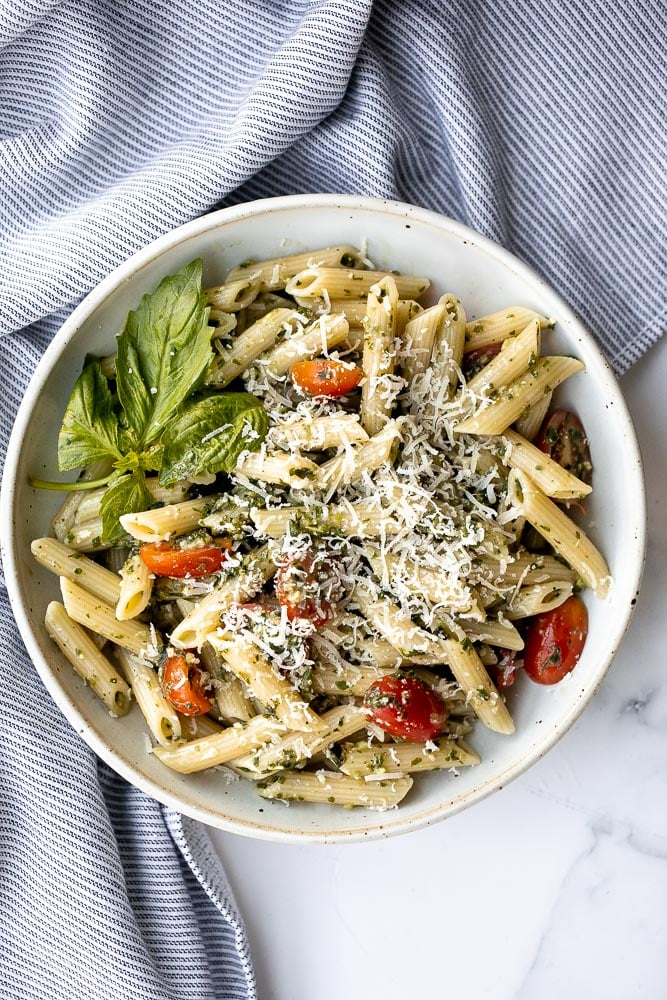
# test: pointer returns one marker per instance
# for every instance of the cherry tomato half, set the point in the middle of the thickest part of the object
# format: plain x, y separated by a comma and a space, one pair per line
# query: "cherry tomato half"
182, 684
309, 587
554, 641
562, 437
165, 559
325, 377
405, 707
474, 361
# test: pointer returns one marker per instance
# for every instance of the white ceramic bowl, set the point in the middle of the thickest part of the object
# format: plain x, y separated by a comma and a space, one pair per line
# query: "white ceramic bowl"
485, 277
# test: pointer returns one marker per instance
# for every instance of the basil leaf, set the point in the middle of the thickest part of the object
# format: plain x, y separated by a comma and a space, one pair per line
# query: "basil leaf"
209, 435
126, 495
164, 352
90, 426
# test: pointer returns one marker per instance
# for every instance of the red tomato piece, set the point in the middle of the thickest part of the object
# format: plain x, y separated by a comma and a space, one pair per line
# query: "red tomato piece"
165, 559
309, 587
405, 707
562, 437
555, 640
326, 377
505, 668
474, 361
182, 684
252, 608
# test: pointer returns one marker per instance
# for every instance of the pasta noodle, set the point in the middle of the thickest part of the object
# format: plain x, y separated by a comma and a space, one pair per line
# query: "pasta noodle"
312, 282
90, 664
378, 355
498, 326
163, 721
513, 399
250, 344
234, 295
359, 760
327, 786
562, 533
274, 274
294, 748
136, 585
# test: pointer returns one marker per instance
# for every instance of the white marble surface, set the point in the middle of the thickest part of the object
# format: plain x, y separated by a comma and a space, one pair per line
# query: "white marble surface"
555, 887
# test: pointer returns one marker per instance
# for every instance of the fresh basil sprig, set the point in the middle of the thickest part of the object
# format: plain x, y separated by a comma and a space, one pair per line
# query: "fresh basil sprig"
157, 421
164, 352
90, 429
123, 495
210, 433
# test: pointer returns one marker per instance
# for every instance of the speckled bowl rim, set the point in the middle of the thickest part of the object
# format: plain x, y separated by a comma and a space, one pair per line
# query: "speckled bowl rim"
393, 822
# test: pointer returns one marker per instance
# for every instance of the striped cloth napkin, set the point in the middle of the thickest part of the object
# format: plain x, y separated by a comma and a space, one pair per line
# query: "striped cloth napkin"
541, 125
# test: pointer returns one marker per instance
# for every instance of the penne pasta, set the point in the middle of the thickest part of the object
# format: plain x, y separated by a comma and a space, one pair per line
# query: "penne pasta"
65, 561
163, 523
450, 336
230, 697
94, 614
136, 585
516, 355
293, 748
328, 786
493, 633
568, 540
339, 283
482, 694
530, 567
257, 338
513, 399
242, 585
348, 679
281, 467
498, 326
319, 337
537, 598
359, 759
552, 478
320, 433
276, 694
91, 665
234, 295
379, 355
418, 339
274, 274
219, 748
162, 719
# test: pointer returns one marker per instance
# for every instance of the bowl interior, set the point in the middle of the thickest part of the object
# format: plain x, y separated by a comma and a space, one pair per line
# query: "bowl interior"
485, 278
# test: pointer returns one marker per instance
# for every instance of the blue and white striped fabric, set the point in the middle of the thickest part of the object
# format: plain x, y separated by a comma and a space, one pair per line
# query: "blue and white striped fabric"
540, 123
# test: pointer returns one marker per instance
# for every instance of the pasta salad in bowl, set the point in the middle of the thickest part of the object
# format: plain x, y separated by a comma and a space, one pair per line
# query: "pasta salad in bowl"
320, 521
